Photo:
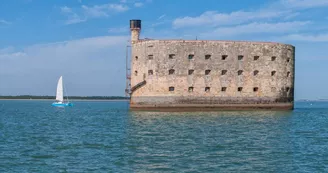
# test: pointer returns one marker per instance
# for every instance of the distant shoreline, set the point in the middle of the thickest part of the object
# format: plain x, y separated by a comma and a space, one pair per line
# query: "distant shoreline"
72, 99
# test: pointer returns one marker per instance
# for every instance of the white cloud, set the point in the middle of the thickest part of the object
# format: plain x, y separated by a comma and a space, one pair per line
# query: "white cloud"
117, 7
278, 18
94, 11
253, 28
87, 12
304, 4
292, 15
4, 22
66, 9
12, 55
306, 37
213, 18
90, 66
104, 10
10, 52
72, 17
118, 30
160, 21
282, 9
161, 17
8, 49
138, 4
157, 23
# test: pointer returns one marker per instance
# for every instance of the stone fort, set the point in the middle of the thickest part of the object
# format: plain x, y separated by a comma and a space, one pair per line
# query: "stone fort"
209, 74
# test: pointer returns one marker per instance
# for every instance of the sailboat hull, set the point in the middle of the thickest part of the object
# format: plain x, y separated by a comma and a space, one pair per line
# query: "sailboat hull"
60, 95
61, 104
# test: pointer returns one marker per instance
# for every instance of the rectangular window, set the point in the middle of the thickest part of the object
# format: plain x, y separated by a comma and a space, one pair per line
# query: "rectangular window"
224, 89
255, 89
150, 57
190, 72
273, 58
224, 57
207, 72
224, 72
190, 89
171, 88
171, 56
256, 58
207, 89
191, 56
240, 89
207, 57
273, 73
240, 57
171, 71
150, 72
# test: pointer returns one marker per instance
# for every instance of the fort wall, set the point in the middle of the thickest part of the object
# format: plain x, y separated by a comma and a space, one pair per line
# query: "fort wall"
182, 73
201, 74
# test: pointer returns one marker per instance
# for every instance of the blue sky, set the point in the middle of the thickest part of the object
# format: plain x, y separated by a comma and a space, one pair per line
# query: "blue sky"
85, 40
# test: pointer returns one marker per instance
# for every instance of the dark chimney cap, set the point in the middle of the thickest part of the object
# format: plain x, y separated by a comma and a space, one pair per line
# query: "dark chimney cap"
135, 24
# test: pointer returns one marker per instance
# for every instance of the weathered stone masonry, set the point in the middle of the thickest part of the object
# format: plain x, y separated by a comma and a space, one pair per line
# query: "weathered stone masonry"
211, 74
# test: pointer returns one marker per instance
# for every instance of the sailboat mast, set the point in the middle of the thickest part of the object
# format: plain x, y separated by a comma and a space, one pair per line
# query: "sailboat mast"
59, 93
65, 92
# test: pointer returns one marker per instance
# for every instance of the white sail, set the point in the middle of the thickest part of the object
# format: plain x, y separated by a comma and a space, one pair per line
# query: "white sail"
59, 94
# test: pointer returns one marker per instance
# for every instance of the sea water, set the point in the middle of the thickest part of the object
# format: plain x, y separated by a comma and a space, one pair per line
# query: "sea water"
106, 137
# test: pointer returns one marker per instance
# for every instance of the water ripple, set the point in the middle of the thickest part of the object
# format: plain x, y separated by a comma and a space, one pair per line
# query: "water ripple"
106, 137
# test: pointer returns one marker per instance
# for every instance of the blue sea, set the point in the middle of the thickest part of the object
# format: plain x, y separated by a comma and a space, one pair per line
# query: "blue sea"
106, 137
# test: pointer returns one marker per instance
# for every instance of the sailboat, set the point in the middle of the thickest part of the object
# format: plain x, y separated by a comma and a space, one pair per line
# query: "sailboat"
60, 95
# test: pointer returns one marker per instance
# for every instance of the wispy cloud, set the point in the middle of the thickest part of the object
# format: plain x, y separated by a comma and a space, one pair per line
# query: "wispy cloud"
87, 12
72, 17
77, 60
160, 21
257, 28
283, 17
213, 18
94, 11
66, 9
292, 15
306, 37
161, 17
12, 55
103, 10
282, 9
118, 30
138, 4
4, 22
304, 4
10, 52
8, 49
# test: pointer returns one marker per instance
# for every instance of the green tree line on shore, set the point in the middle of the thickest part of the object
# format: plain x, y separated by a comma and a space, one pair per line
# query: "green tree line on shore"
71, 97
